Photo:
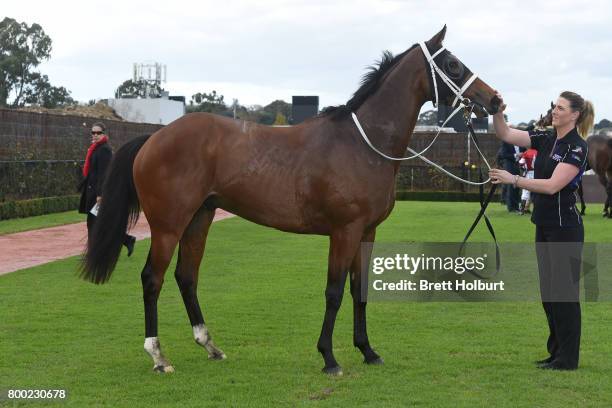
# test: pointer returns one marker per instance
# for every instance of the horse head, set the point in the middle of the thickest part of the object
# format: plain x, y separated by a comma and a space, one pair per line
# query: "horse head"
545, 120
461, 77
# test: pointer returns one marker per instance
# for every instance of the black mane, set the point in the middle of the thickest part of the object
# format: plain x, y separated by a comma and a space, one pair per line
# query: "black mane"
370, 82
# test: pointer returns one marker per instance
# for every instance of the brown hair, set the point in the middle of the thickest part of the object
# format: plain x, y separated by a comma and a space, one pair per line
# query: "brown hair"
587, 112
100, 125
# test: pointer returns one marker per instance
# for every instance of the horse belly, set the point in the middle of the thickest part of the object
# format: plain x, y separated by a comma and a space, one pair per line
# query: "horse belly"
269, 201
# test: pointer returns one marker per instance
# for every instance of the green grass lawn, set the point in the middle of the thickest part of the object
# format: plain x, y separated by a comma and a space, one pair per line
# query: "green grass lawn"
40, 221
262, 295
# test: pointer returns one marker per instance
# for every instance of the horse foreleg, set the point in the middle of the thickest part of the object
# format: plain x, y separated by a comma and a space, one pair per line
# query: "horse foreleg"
343, 244
191, 250
162, 248
360, 333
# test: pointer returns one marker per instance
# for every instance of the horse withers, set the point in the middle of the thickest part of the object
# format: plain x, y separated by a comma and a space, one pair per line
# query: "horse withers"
318, 177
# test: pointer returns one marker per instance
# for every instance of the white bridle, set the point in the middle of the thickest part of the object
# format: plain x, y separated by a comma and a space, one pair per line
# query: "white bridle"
458, 91
451, 85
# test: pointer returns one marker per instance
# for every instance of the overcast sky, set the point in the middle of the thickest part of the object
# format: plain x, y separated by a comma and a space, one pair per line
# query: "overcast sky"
259, 51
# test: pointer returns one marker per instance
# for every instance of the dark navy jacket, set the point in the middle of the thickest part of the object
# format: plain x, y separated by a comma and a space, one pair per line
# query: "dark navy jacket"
557, 209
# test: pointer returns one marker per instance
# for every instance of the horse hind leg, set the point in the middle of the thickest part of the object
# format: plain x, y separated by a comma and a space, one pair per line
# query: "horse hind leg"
162, 248
191, 250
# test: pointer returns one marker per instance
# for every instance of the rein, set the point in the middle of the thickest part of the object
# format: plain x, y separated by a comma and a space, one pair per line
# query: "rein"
484, 202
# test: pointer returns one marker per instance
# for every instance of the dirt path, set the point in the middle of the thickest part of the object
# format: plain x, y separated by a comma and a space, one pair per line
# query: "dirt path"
31, 248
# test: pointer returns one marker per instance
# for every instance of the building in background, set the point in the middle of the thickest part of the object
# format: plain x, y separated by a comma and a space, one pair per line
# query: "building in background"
303, 107
144, 100
160, 111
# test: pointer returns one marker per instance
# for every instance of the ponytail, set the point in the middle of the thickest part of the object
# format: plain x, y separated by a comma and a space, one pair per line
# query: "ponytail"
586, 119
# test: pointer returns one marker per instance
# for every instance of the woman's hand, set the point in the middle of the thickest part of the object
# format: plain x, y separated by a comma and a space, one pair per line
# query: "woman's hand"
502, 105
499, 176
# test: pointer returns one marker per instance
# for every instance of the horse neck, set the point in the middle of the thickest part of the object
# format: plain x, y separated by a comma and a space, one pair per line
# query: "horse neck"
389, 115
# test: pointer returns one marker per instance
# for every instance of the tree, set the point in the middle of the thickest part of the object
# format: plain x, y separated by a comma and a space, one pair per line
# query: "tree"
40, 92
22, 48
527, 125
604, 123
280, 120
138, 89
279, 106
212, 103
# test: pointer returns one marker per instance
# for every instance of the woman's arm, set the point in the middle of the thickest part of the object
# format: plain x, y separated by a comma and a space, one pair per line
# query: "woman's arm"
562, 175
507, 134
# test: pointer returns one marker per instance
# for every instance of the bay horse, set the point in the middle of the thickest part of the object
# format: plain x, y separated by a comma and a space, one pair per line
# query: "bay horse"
317, 177
599, 158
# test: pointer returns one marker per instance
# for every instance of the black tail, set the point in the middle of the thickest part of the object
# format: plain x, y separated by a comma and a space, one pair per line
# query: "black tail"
119, 209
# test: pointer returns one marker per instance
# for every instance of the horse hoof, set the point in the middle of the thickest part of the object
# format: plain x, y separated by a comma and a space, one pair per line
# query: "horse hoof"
217, 356
376, 361
163, 369
333, 371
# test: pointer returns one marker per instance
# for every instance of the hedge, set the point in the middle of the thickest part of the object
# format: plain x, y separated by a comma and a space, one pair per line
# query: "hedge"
38, 206
48, 205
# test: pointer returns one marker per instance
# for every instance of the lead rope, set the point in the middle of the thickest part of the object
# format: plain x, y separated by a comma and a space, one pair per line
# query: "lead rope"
484, 202
420, 154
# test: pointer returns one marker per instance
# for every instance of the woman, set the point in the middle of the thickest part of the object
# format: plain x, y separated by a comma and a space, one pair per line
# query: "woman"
558, 170
97, 162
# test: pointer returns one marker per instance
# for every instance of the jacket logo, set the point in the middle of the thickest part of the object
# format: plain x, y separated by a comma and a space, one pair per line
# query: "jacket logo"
578, 149
556, 157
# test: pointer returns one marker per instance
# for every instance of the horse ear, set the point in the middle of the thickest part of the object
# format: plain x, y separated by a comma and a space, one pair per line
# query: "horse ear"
438, 38
552, 105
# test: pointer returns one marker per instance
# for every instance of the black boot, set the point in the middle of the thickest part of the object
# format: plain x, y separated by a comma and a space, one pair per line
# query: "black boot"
129, 241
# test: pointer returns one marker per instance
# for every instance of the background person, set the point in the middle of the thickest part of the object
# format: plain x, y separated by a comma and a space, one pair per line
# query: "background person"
526, 162
508, 157
97, 161
558, 169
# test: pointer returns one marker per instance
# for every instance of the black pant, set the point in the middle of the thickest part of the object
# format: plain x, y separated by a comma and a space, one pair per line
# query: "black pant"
559, 269
91, 220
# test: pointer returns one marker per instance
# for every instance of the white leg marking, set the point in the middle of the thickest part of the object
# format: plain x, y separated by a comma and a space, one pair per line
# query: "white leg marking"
201, 336
152, 346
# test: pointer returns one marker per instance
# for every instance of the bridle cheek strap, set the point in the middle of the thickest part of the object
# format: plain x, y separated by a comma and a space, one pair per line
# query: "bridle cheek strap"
464, 88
